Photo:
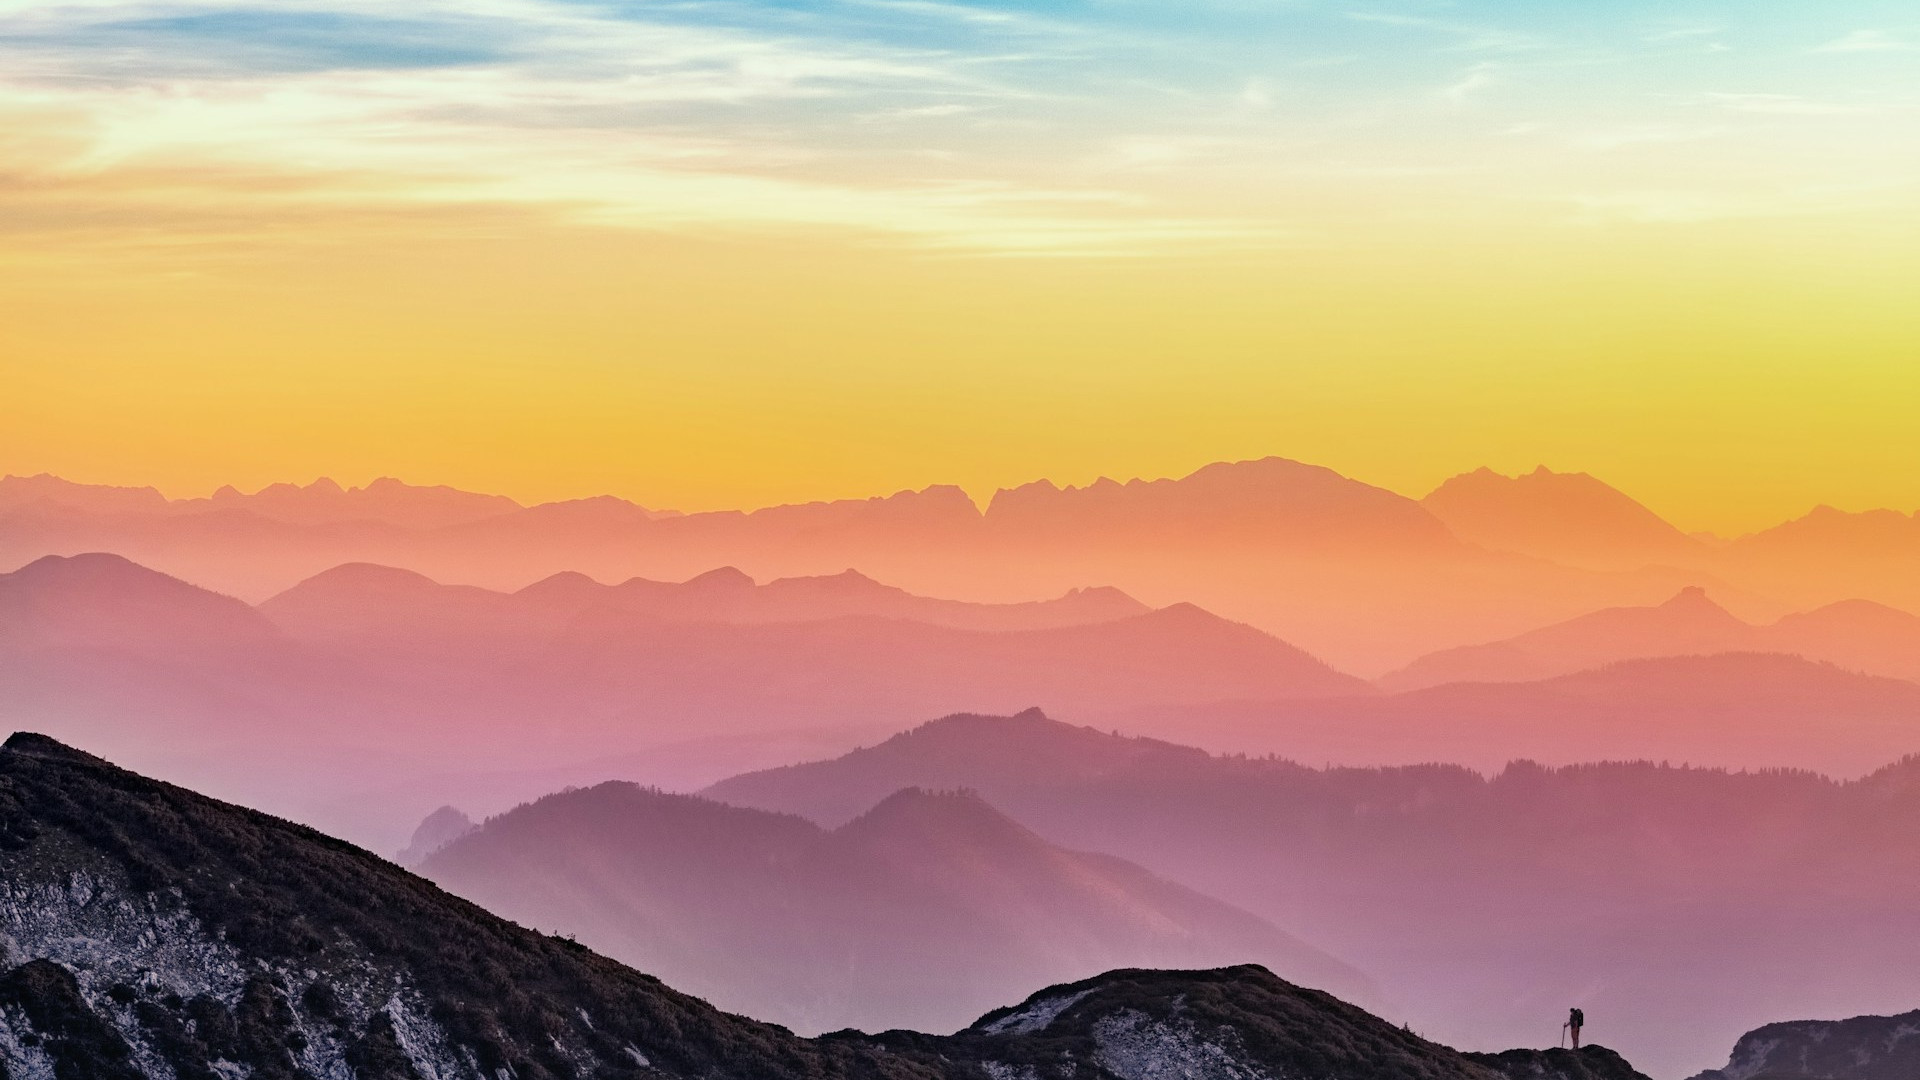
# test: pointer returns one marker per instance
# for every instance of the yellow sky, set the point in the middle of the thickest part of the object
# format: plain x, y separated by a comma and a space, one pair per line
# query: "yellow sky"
735, 254
1705, 372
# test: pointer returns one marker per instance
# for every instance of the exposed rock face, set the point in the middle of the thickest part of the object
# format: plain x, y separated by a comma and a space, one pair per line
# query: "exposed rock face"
1863, 1048
1238, 1023
162, 934
148, 933
1586, 1063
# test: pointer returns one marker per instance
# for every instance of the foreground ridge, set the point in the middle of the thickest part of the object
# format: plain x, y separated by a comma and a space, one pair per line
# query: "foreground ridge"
150, 932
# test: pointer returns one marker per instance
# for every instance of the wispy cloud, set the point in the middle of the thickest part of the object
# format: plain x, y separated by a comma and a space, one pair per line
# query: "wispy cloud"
1868, 41
1784, 105
584, 115
1472, 81
941, 124
1465, 37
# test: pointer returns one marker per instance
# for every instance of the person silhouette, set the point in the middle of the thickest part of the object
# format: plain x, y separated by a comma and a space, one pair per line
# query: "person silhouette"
1575, 1020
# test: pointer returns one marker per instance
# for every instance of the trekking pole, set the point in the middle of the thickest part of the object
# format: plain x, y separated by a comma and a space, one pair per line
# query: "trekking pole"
1563, 1035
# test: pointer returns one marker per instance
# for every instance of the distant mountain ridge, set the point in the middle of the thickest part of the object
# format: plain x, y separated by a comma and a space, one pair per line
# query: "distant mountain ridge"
1571, 518
770, 915
98, 601
1539, 875
1856, 633
385, 501
152, 933
382, 683
1271, 500
1743, 710
360, 598
1356, 573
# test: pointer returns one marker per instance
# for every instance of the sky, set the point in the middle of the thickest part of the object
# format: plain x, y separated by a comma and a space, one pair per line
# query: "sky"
725, 253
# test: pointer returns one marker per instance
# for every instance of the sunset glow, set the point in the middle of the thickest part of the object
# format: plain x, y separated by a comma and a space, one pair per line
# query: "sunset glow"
730, 254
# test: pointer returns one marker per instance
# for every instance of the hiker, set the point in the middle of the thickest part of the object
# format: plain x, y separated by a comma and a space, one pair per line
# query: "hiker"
1575, 1018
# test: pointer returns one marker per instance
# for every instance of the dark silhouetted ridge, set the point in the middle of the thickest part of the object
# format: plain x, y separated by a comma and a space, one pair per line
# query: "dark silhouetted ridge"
1861, 1048
36, 745
1123, 1020
1587, 1063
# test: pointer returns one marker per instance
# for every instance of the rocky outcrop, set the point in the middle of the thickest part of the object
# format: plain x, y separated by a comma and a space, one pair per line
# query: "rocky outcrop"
1586, 1063
1863, 1048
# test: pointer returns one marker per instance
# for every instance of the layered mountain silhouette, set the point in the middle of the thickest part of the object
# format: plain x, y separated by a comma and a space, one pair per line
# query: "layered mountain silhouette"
1739, 710
362, 600
1690, 624
152, 933
1860, 1048
1481, 901
921, 912
385, 694
718, 653
1361, 575
369, 695
1269, 502
1830, 554
1569, 518
1856, 634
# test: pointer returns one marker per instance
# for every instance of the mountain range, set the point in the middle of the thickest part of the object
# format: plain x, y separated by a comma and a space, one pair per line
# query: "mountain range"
369, 695
924, 911
366, 696
1364, 577
151, 932
1480, 901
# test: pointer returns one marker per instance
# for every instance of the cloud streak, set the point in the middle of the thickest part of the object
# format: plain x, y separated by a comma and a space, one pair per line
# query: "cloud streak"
935, 124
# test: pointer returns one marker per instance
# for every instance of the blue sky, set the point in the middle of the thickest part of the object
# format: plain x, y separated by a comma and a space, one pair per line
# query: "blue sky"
1103, 127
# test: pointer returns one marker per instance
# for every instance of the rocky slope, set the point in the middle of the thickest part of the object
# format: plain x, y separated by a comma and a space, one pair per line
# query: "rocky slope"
158, 933
1236, 1023
149, 932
